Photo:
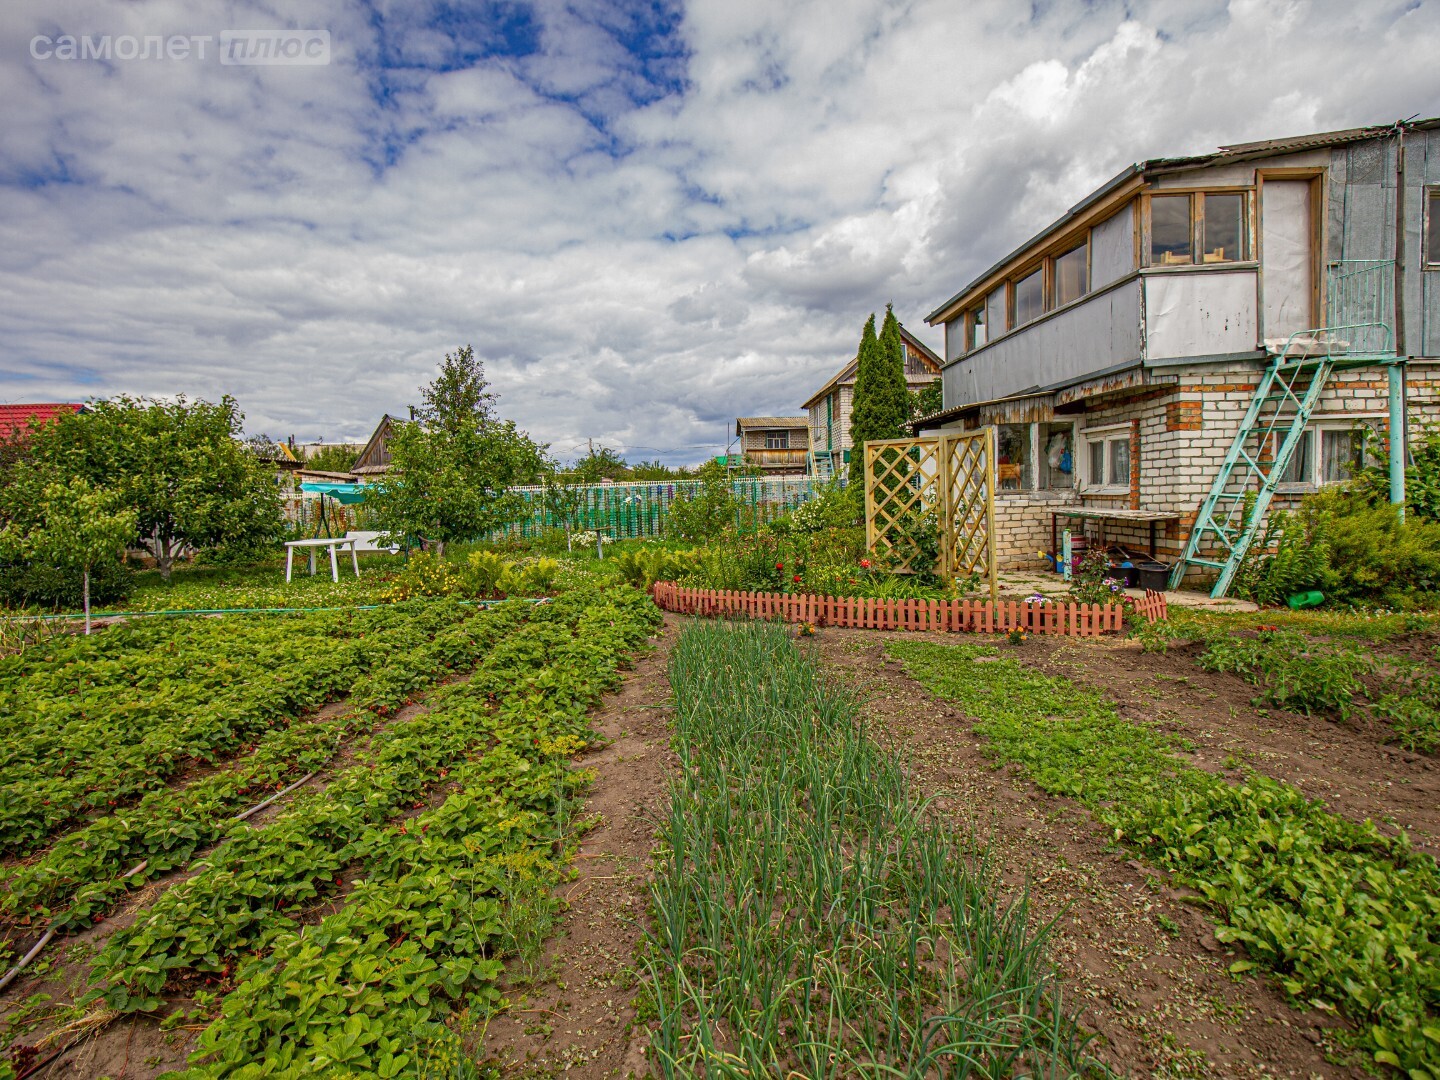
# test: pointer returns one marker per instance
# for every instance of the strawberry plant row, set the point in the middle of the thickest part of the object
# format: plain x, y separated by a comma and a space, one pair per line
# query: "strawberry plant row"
165, 829
1346, 916
255, 885
363, 991
117, 749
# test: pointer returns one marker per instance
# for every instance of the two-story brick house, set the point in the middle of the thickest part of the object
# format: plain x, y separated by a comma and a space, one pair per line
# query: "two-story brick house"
1122, 349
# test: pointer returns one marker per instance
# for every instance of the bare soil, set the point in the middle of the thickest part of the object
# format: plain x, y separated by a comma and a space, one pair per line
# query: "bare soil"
575, 1012
1139, 961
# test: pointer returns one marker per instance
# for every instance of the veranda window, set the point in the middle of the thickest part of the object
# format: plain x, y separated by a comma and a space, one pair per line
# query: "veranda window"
1013, 464
1072, 275
777, 440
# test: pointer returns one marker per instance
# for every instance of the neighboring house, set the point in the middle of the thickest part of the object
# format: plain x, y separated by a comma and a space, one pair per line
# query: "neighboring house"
829, 408
776, 444
374, 460
17, 420
1122, 349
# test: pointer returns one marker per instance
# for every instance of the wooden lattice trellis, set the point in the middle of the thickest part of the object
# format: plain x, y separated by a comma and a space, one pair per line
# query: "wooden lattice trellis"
945, 483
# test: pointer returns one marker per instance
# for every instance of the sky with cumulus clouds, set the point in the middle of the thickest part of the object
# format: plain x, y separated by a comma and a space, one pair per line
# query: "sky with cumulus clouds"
647, 217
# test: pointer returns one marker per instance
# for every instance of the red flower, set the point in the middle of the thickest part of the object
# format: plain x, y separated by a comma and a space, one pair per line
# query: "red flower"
864, 564
797, 578
779, 566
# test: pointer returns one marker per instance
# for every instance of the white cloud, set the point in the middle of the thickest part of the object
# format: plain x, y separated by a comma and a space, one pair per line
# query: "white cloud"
644, 237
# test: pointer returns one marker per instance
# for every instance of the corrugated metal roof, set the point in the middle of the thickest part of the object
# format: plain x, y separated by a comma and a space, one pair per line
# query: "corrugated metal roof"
770, 421
15, 419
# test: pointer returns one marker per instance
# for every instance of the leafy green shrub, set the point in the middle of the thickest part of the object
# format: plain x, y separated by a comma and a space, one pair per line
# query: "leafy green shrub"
531, 579
34, 584
1348, 542
831, 507
1288, 557
704, 514
484, 571
641, 569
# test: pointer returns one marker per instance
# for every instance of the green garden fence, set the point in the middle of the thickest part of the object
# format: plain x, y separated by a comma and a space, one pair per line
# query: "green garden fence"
628, 511
624, 511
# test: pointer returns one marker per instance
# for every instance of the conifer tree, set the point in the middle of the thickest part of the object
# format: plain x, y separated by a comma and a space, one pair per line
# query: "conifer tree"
866, 410
895, 391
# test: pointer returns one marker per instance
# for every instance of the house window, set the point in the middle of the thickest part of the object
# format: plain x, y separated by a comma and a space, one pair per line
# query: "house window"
1107, 460
1223, 230
1340, 458
1071, 275
1432, 227
1212, 223
1340, 455
1170, 229
1301, 469
1013, 464
777, 440
979, 328
1030, 296
995, 321
1057, 457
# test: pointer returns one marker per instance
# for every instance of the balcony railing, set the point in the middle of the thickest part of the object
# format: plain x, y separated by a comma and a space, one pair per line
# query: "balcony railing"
1359, 314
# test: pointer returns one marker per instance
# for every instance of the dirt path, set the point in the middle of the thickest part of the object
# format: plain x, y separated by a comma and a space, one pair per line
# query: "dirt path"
575, 1014
1140, 963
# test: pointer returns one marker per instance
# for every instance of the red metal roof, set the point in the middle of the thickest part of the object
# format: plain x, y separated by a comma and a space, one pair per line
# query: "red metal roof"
15, 419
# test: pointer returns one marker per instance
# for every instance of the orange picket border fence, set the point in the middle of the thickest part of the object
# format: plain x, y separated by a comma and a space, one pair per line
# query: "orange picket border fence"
952, 616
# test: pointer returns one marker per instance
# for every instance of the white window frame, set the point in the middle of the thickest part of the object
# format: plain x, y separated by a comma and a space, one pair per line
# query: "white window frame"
1314, 428
1107, 434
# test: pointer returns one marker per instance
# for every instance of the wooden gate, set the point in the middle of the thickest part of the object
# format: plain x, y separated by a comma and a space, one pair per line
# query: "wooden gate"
941, 485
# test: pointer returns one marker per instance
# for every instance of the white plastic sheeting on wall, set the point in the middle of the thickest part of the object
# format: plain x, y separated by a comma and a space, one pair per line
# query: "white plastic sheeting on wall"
1287, 258
1112, 248
1194, 313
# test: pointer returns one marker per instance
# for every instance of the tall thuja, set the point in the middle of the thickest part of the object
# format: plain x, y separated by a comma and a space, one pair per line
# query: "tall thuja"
894, 390
867, 415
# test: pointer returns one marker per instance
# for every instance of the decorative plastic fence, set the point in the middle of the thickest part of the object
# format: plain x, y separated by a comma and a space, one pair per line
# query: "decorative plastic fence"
631, 510
952, 616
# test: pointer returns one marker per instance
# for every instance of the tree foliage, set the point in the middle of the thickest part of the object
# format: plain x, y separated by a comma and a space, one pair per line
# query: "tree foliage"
882, 398
338, 458
452, 468
76, 527
181, 467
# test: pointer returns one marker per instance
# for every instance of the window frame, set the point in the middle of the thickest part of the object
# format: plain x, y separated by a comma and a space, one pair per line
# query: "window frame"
1107, 435
1038, 270
1197, 197
1316, 430
782, 442
1045, 266
1431, 227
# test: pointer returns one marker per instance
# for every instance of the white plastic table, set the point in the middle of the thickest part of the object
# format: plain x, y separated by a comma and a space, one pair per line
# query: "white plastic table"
327, 542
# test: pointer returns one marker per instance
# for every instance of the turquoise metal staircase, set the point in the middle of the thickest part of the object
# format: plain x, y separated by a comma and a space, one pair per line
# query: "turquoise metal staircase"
1358, 334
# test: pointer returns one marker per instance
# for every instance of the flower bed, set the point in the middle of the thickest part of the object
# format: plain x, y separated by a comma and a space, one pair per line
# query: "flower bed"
953, 616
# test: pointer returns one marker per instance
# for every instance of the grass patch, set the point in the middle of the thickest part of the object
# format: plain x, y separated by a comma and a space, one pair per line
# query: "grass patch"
1347, 917
809, 918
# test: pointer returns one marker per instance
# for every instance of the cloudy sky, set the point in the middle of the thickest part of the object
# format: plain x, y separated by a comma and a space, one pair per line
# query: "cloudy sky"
648, 218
